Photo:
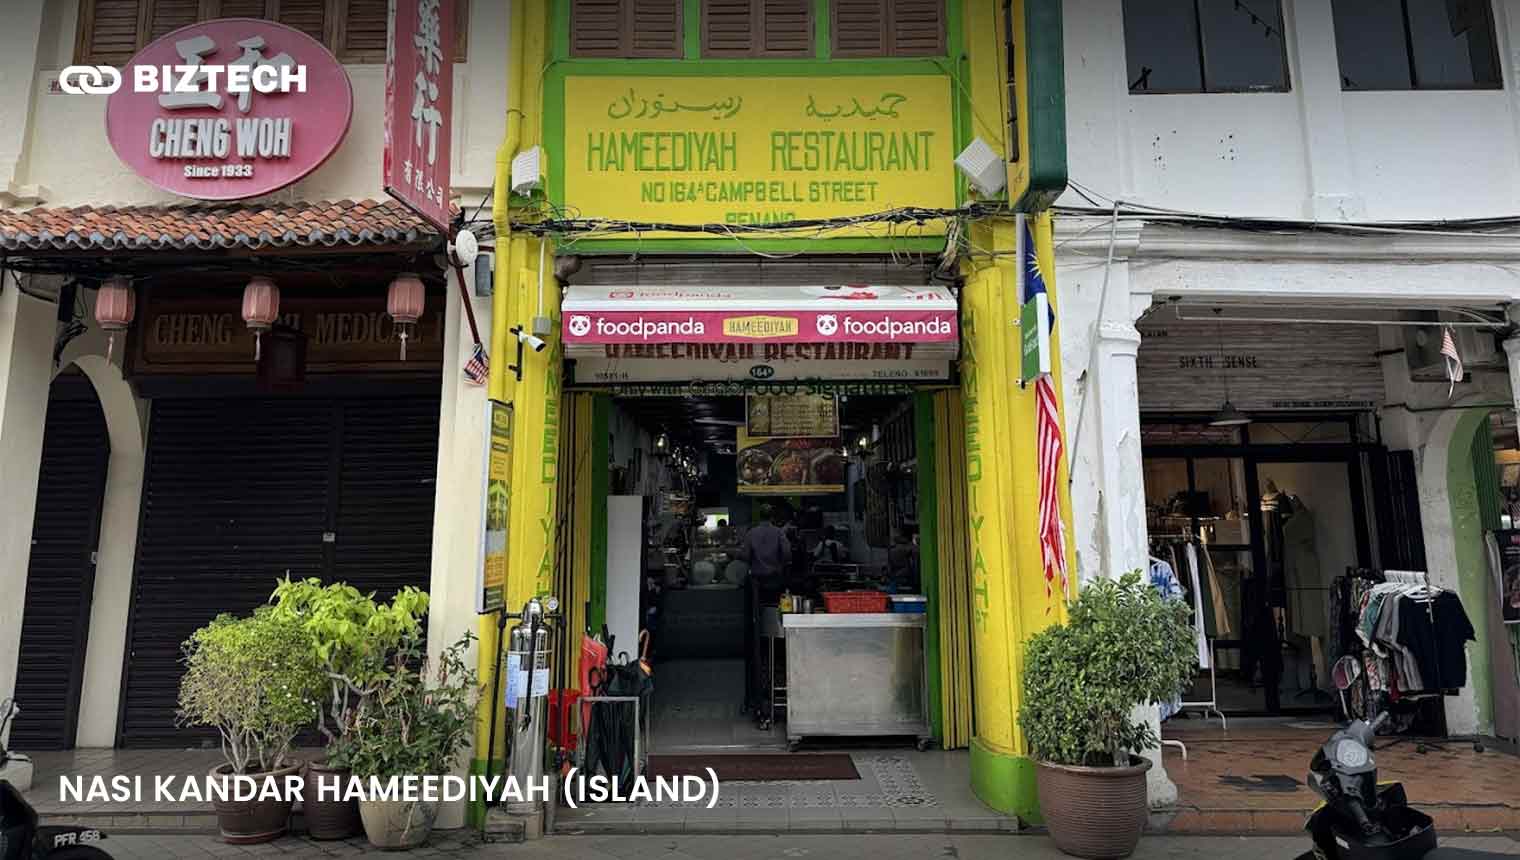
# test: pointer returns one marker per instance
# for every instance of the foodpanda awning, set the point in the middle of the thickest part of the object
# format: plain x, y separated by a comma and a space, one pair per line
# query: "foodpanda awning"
855, 332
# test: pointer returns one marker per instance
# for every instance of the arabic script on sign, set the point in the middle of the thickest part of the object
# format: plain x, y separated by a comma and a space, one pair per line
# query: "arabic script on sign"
632, 105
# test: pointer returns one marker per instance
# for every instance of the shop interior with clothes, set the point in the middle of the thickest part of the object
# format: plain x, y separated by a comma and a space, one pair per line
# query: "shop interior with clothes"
731, 520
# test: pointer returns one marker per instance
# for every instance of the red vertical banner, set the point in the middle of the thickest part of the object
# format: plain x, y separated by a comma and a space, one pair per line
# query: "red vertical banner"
419, 98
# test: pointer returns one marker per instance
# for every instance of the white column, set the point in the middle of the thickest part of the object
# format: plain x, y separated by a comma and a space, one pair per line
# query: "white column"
26, 354
459, 506
1098, 307
20, 40
1122, 493
1317, 81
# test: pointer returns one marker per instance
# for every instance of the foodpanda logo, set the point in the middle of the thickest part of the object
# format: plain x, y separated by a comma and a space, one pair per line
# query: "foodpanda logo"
580, 326
827, 324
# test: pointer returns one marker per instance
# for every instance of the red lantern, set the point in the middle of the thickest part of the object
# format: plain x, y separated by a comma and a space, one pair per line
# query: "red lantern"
261, 307
115, 307
405, 304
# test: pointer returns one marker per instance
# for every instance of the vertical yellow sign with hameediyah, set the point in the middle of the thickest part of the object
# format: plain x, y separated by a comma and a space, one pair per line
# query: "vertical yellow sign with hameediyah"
491, 592
757, 150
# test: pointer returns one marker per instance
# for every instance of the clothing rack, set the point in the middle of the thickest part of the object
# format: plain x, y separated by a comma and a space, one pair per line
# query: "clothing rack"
1212, 702
1420, 579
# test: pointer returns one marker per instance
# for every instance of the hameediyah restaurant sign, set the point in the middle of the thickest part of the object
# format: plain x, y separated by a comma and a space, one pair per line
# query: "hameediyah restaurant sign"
229, 109
756, 150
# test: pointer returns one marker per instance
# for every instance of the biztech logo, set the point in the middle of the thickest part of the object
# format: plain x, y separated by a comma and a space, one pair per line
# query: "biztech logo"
193, 83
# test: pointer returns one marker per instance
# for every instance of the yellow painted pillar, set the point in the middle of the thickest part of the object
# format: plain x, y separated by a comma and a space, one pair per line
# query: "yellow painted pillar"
535, 399
1009, 599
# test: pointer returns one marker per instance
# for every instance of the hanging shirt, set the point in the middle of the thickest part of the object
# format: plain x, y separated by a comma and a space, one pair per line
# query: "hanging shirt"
1191, 554
1435, 632
1165, 581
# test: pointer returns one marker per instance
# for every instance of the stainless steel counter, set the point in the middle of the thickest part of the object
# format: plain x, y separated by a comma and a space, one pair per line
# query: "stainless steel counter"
856, 675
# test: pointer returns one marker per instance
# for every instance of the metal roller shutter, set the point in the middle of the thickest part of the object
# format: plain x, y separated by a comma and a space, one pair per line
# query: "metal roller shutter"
60, 575
240, 491
385, 497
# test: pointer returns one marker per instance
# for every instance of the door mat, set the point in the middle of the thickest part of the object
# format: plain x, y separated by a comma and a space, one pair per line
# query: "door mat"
761, 767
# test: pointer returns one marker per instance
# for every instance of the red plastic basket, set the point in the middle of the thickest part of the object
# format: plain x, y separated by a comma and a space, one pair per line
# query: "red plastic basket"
854, 601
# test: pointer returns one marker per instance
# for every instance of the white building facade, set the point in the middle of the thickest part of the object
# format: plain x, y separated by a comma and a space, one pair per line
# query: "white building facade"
72, 210
1220, 155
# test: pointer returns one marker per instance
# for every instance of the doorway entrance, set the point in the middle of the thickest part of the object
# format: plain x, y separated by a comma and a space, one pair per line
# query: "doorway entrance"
726, 511
60, 576
1273, 511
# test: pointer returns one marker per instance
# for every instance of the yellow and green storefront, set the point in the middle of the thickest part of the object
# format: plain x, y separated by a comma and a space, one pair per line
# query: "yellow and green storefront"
696, 133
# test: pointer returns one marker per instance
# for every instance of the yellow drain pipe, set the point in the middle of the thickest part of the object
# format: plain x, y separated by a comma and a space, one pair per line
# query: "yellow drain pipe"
501, 192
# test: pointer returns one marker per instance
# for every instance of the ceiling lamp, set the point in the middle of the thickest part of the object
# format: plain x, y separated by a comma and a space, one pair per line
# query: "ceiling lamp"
1228, 415
261, 307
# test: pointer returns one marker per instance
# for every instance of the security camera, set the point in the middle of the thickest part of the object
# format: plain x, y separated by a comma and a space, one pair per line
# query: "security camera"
531, 341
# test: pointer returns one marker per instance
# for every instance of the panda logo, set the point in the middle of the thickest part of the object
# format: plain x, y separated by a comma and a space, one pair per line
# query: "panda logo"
827, 324
580, 326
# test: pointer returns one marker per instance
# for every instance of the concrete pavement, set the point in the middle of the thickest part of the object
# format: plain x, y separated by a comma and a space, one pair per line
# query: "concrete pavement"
885, 846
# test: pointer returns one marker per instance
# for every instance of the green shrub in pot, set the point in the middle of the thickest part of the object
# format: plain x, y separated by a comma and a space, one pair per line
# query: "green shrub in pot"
354, 638
419, 719
1123, 645
254, 680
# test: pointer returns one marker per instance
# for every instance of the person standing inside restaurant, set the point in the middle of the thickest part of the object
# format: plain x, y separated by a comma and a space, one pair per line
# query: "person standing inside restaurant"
768, 554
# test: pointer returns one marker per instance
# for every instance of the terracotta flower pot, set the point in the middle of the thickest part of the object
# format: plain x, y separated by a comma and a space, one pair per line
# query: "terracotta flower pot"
251, 821
393, 825
1097, 813
327, 818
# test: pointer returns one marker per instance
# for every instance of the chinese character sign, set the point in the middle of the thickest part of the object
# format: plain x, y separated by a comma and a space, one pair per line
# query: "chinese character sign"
229, 109
419, 95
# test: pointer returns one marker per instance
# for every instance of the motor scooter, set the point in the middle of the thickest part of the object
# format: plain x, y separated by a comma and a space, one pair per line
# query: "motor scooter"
20, 836
22, 839
1361, 818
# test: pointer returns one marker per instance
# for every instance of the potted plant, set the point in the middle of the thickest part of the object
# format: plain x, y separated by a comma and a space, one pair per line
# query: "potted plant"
352, 637
420, 717
255, 682
1123, 645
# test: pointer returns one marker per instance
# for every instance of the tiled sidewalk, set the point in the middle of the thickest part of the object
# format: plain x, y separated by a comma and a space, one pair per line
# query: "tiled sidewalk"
898, 790
1251, 779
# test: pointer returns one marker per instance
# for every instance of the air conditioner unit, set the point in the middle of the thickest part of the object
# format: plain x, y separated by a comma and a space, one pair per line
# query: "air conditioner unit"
1479, 347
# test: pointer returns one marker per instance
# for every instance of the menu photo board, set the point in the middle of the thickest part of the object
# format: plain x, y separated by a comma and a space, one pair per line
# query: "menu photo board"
791, 415
790, 466
492, 583
1509, 574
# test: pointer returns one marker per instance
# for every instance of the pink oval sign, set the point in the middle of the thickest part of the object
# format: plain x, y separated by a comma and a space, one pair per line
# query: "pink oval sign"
229, 109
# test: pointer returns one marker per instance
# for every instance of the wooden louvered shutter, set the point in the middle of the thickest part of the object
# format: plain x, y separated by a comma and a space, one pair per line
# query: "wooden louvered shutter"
888, 28
728, 28
787, 27
243, 9
166, 16
108, 32
625, 28
655, 28
917, 27
362, 31
757, 28
596, 28
308, 16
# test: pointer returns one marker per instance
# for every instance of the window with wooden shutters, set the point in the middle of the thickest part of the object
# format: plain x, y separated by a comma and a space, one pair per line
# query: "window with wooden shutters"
626, 28
888, 28
757, 28
111, 31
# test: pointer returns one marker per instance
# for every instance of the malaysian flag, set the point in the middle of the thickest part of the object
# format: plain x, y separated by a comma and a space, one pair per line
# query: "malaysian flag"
1048, 444
478, 369
1453, 358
